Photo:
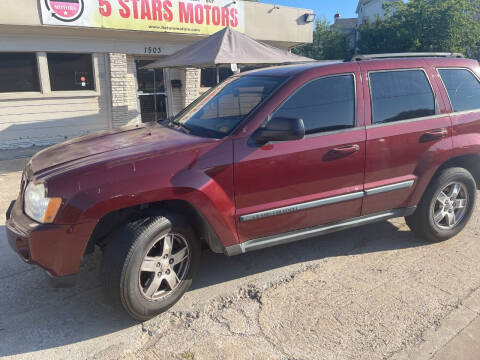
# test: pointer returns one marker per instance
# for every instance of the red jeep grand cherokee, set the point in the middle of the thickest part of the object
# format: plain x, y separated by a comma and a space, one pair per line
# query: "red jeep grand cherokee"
265, 158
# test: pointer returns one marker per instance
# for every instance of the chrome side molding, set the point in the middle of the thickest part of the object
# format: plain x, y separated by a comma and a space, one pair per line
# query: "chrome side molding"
326, 201
392, 187
302, 206
265, 242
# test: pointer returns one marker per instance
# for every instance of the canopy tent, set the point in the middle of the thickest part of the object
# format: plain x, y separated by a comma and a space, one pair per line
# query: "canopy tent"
227, 47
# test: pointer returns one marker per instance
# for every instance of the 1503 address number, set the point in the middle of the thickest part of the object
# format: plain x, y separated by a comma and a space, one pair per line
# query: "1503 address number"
153, 50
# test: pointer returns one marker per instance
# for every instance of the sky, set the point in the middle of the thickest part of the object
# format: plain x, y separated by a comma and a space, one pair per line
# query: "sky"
323, 8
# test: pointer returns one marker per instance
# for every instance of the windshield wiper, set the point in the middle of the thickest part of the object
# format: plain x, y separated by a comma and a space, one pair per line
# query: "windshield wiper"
186, 128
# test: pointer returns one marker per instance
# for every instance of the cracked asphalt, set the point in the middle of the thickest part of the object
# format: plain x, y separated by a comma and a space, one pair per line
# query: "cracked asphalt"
374, 292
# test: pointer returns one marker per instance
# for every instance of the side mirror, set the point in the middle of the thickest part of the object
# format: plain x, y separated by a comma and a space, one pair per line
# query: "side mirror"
280, 129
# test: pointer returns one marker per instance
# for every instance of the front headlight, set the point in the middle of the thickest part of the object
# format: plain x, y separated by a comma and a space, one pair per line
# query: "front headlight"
39, 207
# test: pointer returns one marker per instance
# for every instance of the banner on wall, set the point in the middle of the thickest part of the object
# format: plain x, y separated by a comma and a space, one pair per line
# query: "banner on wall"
201, 17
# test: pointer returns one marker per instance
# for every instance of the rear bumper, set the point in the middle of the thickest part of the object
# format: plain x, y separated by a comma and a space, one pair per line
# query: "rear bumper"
56, 248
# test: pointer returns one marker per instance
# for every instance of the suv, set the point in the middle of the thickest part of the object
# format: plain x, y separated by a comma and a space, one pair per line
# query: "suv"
265, 158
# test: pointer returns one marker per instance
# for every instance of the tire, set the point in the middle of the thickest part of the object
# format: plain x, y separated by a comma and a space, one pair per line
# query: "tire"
127, 285
434, 206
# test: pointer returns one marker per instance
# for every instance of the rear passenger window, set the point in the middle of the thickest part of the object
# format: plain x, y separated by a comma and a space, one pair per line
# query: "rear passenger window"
400, 95
463, 89
325, 104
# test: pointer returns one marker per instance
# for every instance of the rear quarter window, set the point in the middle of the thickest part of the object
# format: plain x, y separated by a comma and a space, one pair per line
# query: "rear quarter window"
462, 87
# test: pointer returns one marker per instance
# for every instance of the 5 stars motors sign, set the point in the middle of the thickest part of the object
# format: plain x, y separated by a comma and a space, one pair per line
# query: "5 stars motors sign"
201, 17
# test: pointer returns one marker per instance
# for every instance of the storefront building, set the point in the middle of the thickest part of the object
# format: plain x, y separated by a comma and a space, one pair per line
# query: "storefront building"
72, 67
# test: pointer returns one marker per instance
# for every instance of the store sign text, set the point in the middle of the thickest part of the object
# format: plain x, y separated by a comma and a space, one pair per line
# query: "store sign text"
186, 16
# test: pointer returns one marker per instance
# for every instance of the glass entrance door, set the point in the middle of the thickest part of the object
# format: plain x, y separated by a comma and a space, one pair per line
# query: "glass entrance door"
151, 92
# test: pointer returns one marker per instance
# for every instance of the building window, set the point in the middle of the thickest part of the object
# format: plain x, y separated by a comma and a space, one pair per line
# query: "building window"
70, 72
400, 95
209, 76
19, 73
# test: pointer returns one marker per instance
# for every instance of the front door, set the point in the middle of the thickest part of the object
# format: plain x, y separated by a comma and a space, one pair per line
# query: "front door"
285, 186
151, 93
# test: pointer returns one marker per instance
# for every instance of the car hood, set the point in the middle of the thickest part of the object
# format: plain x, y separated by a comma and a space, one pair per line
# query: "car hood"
152, 136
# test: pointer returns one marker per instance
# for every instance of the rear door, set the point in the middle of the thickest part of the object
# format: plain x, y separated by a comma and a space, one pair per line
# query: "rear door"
285, 186
408, 131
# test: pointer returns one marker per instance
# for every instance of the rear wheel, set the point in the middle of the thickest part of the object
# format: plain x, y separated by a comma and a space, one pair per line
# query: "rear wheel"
446, 206
149, 265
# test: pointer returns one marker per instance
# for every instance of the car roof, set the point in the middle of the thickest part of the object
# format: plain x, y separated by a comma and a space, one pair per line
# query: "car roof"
292, 70
289, 70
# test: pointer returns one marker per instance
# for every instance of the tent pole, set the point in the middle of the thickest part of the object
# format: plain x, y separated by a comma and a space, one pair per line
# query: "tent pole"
155, 93
218, 74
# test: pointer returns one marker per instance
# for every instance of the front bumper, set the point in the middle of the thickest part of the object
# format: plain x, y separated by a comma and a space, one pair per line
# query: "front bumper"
56, 248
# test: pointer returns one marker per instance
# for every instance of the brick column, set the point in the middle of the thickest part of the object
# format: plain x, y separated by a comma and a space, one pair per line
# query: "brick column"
124, 90
192, 86
179, 98
175, 95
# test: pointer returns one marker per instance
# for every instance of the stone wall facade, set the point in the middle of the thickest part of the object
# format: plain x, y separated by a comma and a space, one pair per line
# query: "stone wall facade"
125, 110
179, 98
192, 86
175, 95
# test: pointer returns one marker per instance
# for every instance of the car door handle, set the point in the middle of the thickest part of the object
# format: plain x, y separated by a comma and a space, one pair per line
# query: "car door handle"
434, 135
345, 150
341, 151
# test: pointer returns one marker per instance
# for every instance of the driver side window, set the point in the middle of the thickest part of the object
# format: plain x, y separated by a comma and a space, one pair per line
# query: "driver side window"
325, 104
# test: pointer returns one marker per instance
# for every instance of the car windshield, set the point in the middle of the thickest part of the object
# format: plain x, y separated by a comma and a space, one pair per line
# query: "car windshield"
218, 112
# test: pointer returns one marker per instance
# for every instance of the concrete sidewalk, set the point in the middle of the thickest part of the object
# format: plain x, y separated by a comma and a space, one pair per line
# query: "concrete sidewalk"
464, 345
457, 336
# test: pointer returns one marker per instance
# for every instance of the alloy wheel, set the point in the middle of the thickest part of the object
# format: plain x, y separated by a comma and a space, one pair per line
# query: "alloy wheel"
450, 206
164, 266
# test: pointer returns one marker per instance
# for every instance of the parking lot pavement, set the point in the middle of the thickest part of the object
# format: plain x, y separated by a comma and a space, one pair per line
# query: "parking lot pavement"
375, 292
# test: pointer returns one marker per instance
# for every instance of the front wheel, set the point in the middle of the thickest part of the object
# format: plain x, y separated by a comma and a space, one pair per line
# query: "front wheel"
446, 206
149, 264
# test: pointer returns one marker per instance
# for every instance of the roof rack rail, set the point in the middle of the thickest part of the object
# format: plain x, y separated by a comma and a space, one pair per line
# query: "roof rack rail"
403, 55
